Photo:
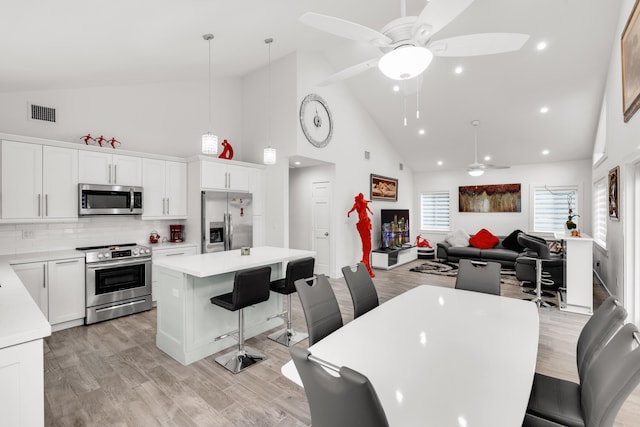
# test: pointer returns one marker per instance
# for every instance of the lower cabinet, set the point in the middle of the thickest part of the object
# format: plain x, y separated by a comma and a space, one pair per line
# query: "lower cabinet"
386, 260
57, 286
164, 252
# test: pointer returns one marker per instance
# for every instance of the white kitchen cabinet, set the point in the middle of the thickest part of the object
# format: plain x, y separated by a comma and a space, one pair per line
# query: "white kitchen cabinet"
66, 280
39, 182
109, 169
165, 252
218, 176
57, 286
165, 189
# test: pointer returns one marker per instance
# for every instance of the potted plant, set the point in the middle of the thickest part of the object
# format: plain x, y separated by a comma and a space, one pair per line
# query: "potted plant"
570, 224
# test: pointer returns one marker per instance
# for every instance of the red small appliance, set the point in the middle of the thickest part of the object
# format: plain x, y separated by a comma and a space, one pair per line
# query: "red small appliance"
175, 233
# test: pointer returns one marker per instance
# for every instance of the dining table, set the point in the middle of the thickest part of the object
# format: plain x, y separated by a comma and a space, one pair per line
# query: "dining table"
440, 356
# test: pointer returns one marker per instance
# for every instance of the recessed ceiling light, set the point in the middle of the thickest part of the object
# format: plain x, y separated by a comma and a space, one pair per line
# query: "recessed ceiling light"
421, 131
545, 152
296, 163
541, 46
487, 158
439, 162
396, 88
544, 110
458, 69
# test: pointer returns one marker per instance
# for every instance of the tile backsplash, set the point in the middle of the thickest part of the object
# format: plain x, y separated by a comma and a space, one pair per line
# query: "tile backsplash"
88, 231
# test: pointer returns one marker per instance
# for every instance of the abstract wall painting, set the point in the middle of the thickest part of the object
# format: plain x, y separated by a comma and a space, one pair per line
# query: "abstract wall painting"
490, 198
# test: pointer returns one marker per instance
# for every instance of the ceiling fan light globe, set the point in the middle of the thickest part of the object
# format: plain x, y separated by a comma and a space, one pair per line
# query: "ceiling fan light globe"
475, 172
405, 62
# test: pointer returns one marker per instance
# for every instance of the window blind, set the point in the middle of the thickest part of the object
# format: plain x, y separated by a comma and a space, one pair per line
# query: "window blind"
551, 208
434, 210
600, 211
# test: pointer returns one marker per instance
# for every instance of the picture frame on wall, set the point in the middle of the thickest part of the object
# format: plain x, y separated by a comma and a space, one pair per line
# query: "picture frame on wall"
383, 188
613, 188
630, 54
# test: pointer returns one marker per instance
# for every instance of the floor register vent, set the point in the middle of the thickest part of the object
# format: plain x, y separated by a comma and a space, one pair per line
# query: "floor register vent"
47, 114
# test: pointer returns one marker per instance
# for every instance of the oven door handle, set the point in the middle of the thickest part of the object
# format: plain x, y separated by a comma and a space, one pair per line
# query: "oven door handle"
100, 265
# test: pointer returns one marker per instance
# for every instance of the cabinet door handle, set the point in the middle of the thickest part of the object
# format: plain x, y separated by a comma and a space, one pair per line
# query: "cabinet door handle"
109, 177
163, 199
67, 261
46, 205
44, 275
39, 204
179, 253
115, 174
167, 206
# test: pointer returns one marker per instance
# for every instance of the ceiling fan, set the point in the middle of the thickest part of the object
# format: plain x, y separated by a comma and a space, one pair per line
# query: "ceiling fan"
476, 168
406, 43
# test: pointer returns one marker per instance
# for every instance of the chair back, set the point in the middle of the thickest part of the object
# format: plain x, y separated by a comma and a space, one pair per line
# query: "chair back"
251, 286
535, 244
604, 322
611, 377
298, 269
478, 277
345, 400
363, 291
321, 310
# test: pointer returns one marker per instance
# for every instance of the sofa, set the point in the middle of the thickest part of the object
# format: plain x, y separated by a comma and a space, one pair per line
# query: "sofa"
453, 248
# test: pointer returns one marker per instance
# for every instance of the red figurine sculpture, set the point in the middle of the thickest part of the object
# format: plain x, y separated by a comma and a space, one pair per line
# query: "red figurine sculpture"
101, 140
227, 152
364, 228
87, 138
114, 142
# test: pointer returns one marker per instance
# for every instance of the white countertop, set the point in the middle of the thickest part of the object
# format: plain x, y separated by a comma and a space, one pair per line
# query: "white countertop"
40, 256
441, 357
566, 236
211, 264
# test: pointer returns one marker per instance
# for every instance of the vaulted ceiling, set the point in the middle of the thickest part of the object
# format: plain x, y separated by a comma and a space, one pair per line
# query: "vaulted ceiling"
79, 43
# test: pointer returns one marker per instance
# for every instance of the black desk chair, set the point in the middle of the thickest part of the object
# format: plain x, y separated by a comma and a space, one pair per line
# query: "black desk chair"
362, 290
343, 398
320, 306
296, 269
250, 287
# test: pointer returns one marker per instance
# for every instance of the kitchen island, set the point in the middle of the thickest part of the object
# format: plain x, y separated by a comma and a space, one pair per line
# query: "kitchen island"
187, 322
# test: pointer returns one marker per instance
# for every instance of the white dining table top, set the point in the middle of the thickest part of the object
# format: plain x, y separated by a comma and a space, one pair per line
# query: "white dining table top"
441, 357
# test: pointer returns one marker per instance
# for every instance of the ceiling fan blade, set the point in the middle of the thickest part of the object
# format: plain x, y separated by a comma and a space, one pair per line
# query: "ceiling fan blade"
496, 167
350, 72
478, 44
343, 28
436, 15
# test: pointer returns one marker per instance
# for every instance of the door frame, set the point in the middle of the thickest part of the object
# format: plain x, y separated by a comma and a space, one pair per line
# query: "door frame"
329, 221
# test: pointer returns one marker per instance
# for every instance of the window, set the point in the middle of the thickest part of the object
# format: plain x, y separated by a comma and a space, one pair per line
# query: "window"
434, 211
600, 211
551, 207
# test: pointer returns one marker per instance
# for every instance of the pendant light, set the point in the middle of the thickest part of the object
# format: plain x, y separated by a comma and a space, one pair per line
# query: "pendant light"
209, 140
269, 156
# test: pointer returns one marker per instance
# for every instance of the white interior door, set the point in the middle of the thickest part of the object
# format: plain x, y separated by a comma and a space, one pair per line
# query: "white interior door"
321, 220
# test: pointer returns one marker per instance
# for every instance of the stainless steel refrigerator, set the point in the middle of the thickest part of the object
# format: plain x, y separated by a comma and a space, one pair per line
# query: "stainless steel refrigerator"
227, 221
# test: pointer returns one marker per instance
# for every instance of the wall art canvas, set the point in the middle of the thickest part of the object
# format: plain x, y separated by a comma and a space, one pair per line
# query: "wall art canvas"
384, 188
613, 187
490, 198
630, 52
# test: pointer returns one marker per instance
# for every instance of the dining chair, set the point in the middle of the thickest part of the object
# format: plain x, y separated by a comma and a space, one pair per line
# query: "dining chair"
296, 269
605, 321
362, 290
340, 398
608, 380
320, 306
478, 276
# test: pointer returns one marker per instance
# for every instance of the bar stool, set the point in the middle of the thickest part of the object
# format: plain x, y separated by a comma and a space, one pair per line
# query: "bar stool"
250, 286
296, 269
540, 255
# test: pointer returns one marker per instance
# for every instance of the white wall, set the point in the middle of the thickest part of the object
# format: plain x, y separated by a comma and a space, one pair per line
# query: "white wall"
622, 149
156, 118
529, 176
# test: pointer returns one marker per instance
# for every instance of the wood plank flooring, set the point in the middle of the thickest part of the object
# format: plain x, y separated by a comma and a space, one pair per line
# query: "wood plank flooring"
112, 374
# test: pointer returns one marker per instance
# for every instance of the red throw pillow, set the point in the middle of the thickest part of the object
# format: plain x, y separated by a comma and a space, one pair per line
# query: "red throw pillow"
483, 239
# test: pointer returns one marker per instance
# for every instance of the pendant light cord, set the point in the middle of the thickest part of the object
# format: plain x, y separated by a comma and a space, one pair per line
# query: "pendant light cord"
268, 42
210, 85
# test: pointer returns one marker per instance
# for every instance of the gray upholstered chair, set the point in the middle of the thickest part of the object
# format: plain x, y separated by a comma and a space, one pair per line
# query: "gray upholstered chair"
363, 291
296, 269
321, 310
343, 398
539, 253
478, 276
600, 327
250, 287
608, 380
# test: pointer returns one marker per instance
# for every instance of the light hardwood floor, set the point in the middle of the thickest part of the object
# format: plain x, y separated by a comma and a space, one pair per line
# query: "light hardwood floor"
112, 374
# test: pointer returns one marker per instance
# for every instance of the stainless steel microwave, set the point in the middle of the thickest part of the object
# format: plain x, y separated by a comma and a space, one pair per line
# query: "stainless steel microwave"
109, 200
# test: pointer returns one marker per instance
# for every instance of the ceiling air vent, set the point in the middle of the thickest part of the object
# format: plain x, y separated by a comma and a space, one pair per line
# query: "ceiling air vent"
47, 114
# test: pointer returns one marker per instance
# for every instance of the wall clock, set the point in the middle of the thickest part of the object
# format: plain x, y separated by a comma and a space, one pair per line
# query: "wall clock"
316, 120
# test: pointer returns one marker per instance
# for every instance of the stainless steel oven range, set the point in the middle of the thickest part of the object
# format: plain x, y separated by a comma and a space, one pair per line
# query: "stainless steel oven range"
118, 280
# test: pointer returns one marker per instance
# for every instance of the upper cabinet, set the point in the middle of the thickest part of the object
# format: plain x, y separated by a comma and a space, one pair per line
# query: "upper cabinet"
219, 176
109, 169
39, 182
165, 189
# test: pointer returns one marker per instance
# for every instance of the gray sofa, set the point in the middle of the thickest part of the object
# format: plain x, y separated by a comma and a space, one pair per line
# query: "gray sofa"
506, 257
